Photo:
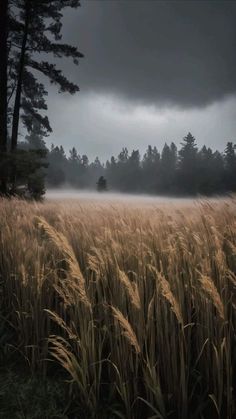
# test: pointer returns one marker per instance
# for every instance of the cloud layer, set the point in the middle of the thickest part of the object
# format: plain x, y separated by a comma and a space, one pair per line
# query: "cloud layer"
100, 125
156, 52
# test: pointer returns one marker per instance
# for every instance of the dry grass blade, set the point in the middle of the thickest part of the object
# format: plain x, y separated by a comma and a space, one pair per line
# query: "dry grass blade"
132, 289
169, 296
61, 242
127, 329
60, 322
209, 288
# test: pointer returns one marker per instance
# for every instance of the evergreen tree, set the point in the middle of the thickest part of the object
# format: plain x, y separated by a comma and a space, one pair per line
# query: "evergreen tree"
209, 172
111, 173
37, 26
57, 164
133, 172
230, 166
151, 170
96, 170
35, 138
218, 173
74, 163
168, 168
101, 184
187, 170
122, 175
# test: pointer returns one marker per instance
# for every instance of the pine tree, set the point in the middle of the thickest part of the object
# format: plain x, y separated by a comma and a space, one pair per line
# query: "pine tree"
3, 94
187, 170
168, 168
35, 138
57, 166
230, 166
101, 184
38, 24
151, 170
29, 28
74, 168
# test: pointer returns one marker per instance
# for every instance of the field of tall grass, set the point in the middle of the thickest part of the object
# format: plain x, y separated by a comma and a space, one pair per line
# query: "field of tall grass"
131, 307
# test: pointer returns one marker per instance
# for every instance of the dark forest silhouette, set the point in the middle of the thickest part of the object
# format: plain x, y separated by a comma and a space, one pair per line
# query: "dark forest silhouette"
187, 171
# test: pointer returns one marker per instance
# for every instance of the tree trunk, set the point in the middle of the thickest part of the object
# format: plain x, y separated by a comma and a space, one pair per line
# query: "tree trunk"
17, 104
3, 92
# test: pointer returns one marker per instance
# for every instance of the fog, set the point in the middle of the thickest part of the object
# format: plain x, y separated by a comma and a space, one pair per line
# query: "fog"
93, 196
61, 194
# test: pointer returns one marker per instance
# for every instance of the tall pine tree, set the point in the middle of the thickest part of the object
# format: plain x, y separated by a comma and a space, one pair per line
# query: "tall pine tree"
29, 28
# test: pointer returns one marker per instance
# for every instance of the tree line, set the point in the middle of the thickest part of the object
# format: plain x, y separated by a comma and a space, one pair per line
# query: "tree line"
30, 33
187, 171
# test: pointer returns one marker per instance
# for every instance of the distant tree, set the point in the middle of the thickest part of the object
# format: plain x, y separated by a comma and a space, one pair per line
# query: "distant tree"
205, 173
230, 166
57, 166
218, 173
187, 168
73, 155
111, 173
133, 172
123, 156
151, 170
73, 168
168, 168
96, 170
121, 169
101, 184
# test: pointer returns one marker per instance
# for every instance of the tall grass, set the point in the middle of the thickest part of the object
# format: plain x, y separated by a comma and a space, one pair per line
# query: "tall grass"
135, 304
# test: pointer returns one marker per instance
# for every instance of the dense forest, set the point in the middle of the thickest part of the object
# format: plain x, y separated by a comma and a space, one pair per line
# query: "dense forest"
187, 171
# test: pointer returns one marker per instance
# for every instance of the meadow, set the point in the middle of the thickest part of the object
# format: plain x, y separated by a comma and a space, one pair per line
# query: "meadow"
127, 308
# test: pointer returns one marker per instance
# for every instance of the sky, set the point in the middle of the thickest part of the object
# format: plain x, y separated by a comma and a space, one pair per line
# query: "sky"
153, 71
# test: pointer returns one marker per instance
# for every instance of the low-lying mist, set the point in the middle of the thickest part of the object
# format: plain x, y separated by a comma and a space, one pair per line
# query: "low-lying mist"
101, 196
88, 195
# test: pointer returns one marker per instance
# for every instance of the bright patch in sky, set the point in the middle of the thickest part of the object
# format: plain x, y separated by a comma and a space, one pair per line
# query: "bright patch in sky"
100, 125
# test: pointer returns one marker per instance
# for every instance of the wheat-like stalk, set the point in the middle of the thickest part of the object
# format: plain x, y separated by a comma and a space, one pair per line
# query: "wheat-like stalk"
169, 296
62, 244
210, 289
132, 289
60, 322
167, 293
127, 329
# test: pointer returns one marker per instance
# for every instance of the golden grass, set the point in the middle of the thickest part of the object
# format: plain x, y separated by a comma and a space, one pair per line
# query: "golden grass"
136, 302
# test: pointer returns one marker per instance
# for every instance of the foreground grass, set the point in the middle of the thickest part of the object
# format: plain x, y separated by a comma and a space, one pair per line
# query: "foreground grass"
25, 397
129, 309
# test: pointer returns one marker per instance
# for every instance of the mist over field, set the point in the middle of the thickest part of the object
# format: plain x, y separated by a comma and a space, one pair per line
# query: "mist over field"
111, 198
62, 194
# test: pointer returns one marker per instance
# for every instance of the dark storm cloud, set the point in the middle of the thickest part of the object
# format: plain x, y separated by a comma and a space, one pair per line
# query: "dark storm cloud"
162, 52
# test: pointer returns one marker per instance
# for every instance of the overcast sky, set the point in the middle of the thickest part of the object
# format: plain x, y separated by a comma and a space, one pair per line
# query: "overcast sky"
153, 70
